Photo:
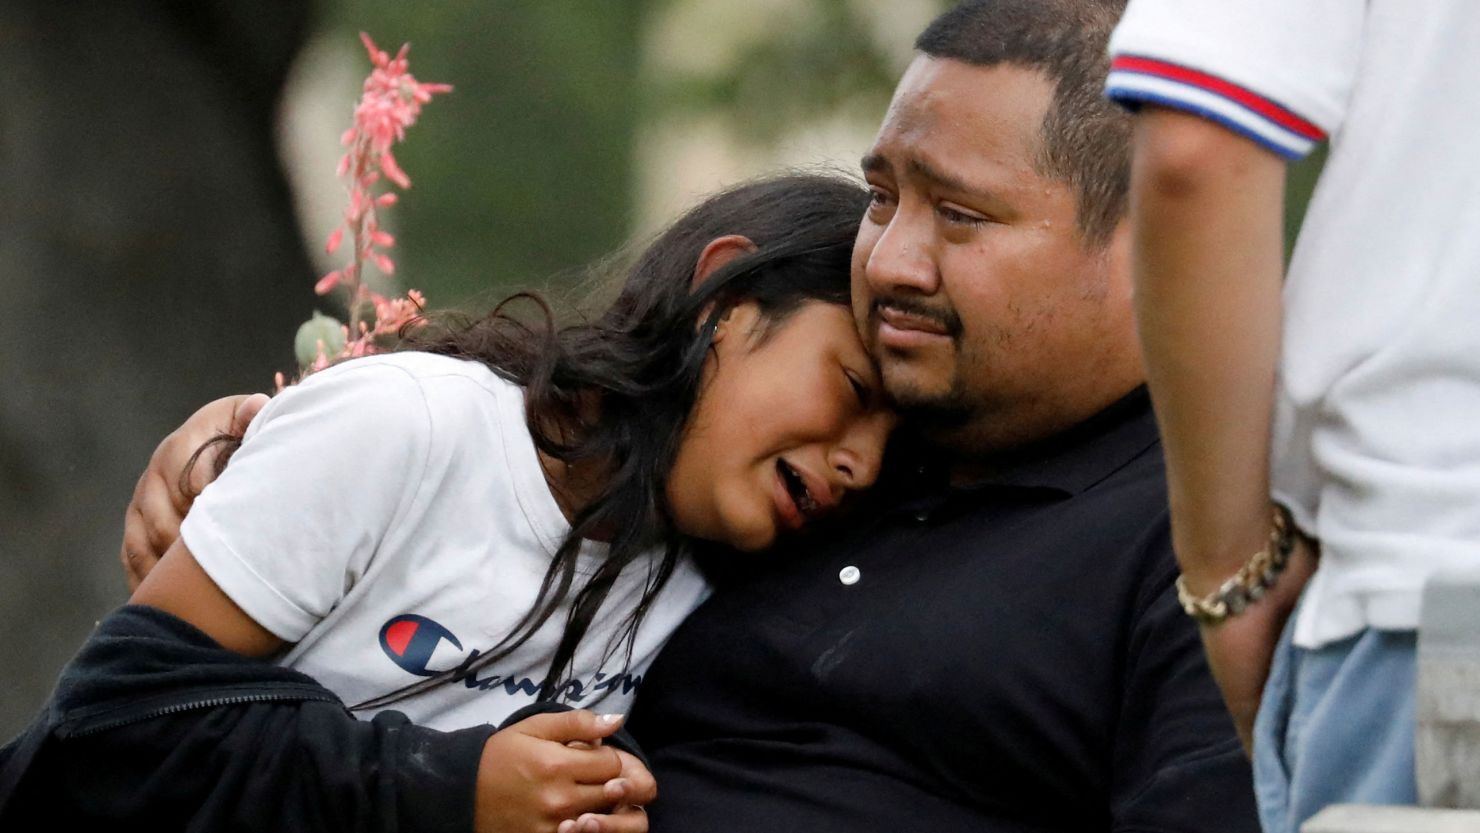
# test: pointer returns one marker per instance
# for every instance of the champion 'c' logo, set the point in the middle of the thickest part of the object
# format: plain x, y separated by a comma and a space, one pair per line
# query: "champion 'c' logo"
409, 640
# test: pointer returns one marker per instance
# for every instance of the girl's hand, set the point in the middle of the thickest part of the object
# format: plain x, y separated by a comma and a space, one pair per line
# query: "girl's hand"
629, 793
550, 774
152, 522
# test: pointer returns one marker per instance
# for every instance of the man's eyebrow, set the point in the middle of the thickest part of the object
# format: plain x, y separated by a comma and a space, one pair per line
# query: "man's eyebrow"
925, 171
877, 163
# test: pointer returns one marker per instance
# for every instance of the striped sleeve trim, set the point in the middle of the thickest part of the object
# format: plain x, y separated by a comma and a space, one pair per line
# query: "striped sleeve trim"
1135, 79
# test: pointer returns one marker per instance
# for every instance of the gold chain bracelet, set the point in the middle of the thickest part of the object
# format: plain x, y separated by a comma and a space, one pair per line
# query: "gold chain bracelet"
1252, 580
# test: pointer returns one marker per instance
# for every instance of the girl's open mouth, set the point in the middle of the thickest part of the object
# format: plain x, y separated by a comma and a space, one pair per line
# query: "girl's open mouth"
797, 488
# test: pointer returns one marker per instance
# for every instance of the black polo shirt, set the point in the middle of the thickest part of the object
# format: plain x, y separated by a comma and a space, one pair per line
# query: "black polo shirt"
1004, 657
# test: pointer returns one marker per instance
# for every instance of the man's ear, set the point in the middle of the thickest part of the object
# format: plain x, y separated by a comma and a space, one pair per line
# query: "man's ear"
719, 252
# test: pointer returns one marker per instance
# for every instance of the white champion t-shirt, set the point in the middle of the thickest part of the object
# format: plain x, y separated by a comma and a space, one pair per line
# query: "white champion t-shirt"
390, 518
1377, 416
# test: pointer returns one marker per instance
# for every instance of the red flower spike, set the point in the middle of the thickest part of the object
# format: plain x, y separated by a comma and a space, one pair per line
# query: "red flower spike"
390, 102
393, 171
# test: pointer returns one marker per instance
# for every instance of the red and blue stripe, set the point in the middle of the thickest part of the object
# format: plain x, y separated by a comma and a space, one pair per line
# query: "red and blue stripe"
1135, 79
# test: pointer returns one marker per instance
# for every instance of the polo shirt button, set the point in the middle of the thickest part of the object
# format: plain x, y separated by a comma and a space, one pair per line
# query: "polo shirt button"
849, 575
922, 516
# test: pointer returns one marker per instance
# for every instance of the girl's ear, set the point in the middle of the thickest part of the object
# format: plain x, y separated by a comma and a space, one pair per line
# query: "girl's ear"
744, 317
719, 252
722, 326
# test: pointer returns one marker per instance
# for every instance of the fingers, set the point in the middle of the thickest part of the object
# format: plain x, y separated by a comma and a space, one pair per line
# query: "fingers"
593, 767
621, 792
569, 801
584, 799
152, 521
150, 525
624, 820
551, 759
227, 416
566, 727
636, 785
137, 559
526, 782
246, 411
160, 507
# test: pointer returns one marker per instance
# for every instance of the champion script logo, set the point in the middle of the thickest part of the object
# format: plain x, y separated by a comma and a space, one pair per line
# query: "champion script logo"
411, 640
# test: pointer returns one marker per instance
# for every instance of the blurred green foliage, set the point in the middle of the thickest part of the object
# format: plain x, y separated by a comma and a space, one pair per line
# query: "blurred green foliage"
823, 61
525, 170
1299, 184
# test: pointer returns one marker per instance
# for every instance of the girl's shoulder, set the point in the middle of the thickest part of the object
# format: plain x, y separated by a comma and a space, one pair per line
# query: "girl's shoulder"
422, 368
422, 399
447, 385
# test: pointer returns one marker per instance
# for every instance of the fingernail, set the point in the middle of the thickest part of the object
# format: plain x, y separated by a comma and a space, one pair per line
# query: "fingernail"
610, 718
565, 826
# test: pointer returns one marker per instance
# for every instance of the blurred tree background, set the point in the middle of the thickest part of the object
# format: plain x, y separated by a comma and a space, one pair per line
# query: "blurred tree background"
575, 126
167, 178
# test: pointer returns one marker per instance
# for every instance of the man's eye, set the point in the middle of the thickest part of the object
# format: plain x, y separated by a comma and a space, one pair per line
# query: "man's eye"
951, 215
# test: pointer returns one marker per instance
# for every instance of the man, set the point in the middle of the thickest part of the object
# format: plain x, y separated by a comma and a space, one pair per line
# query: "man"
999, 647
1374, 390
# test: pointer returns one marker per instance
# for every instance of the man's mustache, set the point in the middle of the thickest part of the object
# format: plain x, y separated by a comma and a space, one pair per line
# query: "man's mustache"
946, 318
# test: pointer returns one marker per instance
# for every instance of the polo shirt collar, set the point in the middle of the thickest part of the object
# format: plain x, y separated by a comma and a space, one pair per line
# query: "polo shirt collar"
1074, 460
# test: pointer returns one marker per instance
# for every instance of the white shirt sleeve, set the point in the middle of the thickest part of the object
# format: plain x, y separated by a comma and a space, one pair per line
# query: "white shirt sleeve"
324, 471
1277, 71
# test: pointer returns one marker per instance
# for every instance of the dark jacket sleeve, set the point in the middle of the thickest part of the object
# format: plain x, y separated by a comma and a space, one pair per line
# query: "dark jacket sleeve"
153, 726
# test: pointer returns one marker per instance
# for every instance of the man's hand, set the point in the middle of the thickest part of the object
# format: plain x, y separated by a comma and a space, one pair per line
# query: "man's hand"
1240, 649
152, 522
550, 774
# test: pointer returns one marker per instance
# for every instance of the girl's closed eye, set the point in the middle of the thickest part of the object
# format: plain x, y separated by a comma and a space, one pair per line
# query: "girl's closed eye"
861, 388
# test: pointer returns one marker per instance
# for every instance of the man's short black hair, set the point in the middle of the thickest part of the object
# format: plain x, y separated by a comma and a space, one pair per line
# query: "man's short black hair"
1085, 138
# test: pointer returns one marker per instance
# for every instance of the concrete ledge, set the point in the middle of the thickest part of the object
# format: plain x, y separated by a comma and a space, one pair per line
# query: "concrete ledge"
1356, 818
1447, 735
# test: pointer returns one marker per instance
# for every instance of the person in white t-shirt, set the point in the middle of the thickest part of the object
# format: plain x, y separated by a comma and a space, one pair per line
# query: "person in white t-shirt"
500, 513
1368, 358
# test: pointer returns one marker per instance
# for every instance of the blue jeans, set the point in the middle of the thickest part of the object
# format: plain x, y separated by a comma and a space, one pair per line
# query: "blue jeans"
1336, 727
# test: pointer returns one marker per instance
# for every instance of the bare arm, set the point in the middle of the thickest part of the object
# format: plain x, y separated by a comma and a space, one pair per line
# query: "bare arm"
1206, 209
177, 585
547, 773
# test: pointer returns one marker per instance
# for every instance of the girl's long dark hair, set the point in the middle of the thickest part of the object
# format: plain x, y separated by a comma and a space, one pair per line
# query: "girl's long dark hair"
616, 392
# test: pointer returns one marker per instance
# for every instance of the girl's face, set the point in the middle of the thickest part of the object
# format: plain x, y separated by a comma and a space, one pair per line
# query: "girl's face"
790, 420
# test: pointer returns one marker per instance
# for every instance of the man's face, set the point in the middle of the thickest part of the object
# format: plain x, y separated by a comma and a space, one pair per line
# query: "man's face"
992, 319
